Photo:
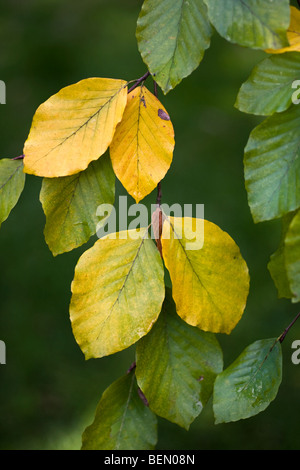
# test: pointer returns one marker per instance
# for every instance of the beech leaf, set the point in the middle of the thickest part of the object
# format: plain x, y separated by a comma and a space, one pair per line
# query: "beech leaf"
250, 383
122, 421
210, 285
74, 127
176, 365
117, 292
70, 204
12, 181
172, 38
142, 148
258, 24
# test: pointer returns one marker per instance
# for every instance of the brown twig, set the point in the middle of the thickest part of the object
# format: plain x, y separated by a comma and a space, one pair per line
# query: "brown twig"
158, 200
131, 368
142, 397
283, 335
159, 194
139, 81
19, 158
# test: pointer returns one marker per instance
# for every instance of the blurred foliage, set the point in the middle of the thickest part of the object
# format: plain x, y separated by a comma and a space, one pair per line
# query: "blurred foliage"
48, 392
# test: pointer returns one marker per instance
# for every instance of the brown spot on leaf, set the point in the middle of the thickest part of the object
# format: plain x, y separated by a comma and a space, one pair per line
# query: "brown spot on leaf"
163, 115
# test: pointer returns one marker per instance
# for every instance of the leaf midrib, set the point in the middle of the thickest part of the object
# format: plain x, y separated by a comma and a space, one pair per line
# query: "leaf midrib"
84, 124
125, 412
274, 33
193, 270
10, 177
123, 285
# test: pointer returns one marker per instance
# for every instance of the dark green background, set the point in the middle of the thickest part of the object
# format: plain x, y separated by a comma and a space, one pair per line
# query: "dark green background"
48, 392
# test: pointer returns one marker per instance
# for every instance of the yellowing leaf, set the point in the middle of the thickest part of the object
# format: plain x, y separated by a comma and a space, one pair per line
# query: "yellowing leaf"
210, 285
12, 181
74, 127
118, 291
142, 148
70, 204
293, 34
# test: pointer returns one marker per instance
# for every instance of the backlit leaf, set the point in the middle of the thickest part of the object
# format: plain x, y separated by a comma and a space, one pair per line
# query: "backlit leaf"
176, 365
210, 284
250, 383
293, 34
70, 205
74, 127
292, 256
259, 24
278, 272
172, 38
270, 86
142, 149
118, 291
122, 421
12, 181
277, 263
272, 166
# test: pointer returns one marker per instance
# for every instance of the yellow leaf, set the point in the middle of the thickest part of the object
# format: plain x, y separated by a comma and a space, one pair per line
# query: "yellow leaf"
142, 148
293, 34
74, 127
210, 285
117, 292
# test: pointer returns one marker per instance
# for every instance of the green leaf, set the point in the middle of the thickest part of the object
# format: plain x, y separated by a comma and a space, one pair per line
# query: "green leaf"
292, 34
278, 273
277, 264
118, 291
70, 205
12, 181
269, 88
292, 257
172, 38
272, 166
250, 383
122, 421
259, 24
176, 365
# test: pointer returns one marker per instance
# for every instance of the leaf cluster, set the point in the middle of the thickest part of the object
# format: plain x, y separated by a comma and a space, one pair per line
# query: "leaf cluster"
99, 129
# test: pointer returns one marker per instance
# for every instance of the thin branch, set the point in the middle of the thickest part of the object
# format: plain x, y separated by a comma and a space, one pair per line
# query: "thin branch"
299, 3
158, 199
131, 368
157, 225
19, 158
159, 194
159, 191
142, 397
281, 337
139, 81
